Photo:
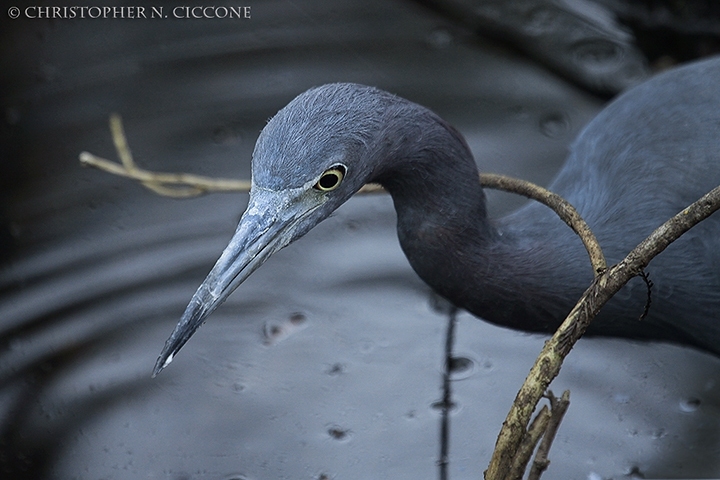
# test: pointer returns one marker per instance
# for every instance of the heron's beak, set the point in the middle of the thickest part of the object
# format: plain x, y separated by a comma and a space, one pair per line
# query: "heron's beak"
272, 220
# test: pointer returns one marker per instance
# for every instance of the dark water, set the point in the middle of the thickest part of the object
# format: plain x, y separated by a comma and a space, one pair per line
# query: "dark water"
327, 361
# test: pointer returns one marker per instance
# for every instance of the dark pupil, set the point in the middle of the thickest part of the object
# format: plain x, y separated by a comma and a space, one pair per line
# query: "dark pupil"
329, 180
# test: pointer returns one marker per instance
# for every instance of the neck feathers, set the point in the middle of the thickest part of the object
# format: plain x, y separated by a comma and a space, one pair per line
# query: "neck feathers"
445, 232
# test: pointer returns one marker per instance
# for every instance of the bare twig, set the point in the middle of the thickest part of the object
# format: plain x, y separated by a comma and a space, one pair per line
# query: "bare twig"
559, 205
521, 458
179, 185
167, 184
173, 182
603, 287
558, 407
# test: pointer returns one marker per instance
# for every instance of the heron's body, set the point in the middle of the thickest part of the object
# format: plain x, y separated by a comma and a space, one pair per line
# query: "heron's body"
650, 153
645, 157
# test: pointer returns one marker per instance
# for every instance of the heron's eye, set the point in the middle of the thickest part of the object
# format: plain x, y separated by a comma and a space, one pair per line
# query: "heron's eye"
331, 178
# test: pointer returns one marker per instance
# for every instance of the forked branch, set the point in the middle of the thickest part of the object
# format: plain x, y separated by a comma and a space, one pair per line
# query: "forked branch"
603, 287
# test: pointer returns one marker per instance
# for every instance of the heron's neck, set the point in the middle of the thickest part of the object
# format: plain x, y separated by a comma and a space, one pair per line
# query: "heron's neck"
496, 271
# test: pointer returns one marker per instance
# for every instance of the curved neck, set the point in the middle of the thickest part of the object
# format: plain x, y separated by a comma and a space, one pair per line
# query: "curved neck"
429, 171
498, 274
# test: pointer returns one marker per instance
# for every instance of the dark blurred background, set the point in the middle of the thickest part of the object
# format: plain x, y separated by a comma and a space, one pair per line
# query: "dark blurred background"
328, 361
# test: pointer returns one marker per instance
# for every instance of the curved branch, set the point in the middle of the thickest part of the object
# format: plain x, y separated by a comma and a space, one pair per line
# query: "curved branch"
603, 287
558, 407
173, 183
535, 431
559, 205
166, 184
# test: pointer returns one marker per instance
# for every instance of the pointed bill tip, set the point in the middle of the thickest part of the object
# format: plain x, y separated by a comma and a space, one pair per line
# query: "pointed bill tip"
269, 223
161, 363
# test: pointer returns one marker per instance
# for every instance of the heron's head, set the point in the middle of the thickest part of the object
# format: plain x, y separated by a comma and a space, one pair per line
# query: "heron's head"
309, 159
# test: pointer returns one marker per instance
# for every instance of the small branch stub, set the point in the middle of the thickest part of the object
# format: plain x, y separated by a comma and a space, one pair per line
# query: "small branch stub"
558, 407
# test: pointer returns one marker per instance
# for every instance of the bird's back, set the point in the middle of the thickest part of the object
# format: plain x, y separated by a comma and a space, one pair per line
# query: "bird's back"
650, 153
653, 150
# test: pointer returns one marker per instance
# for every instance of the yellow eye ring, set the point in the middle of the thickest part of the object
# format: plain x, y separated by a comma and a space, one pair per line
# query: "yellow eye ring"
331, 178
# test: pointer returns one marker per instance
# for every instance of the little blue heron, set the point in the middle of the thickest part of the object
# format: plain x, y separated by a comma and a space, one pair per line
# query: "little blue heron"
647, 155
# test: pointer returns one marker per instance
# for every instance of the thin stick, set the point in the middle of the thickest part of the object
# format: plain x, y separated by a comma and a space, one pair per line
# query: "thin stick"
199, 183
120, 141
558, 407
166, 184
559, 205
538, 426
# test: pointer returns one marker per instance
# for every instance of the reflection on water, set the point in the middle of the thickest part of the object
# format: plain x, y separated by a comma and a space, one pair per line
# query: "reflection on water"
320, 366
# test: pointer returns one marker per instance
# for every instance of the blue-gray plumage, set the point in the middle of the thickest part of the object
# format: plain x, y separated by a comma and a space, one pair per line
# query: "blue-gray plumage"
650, 153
